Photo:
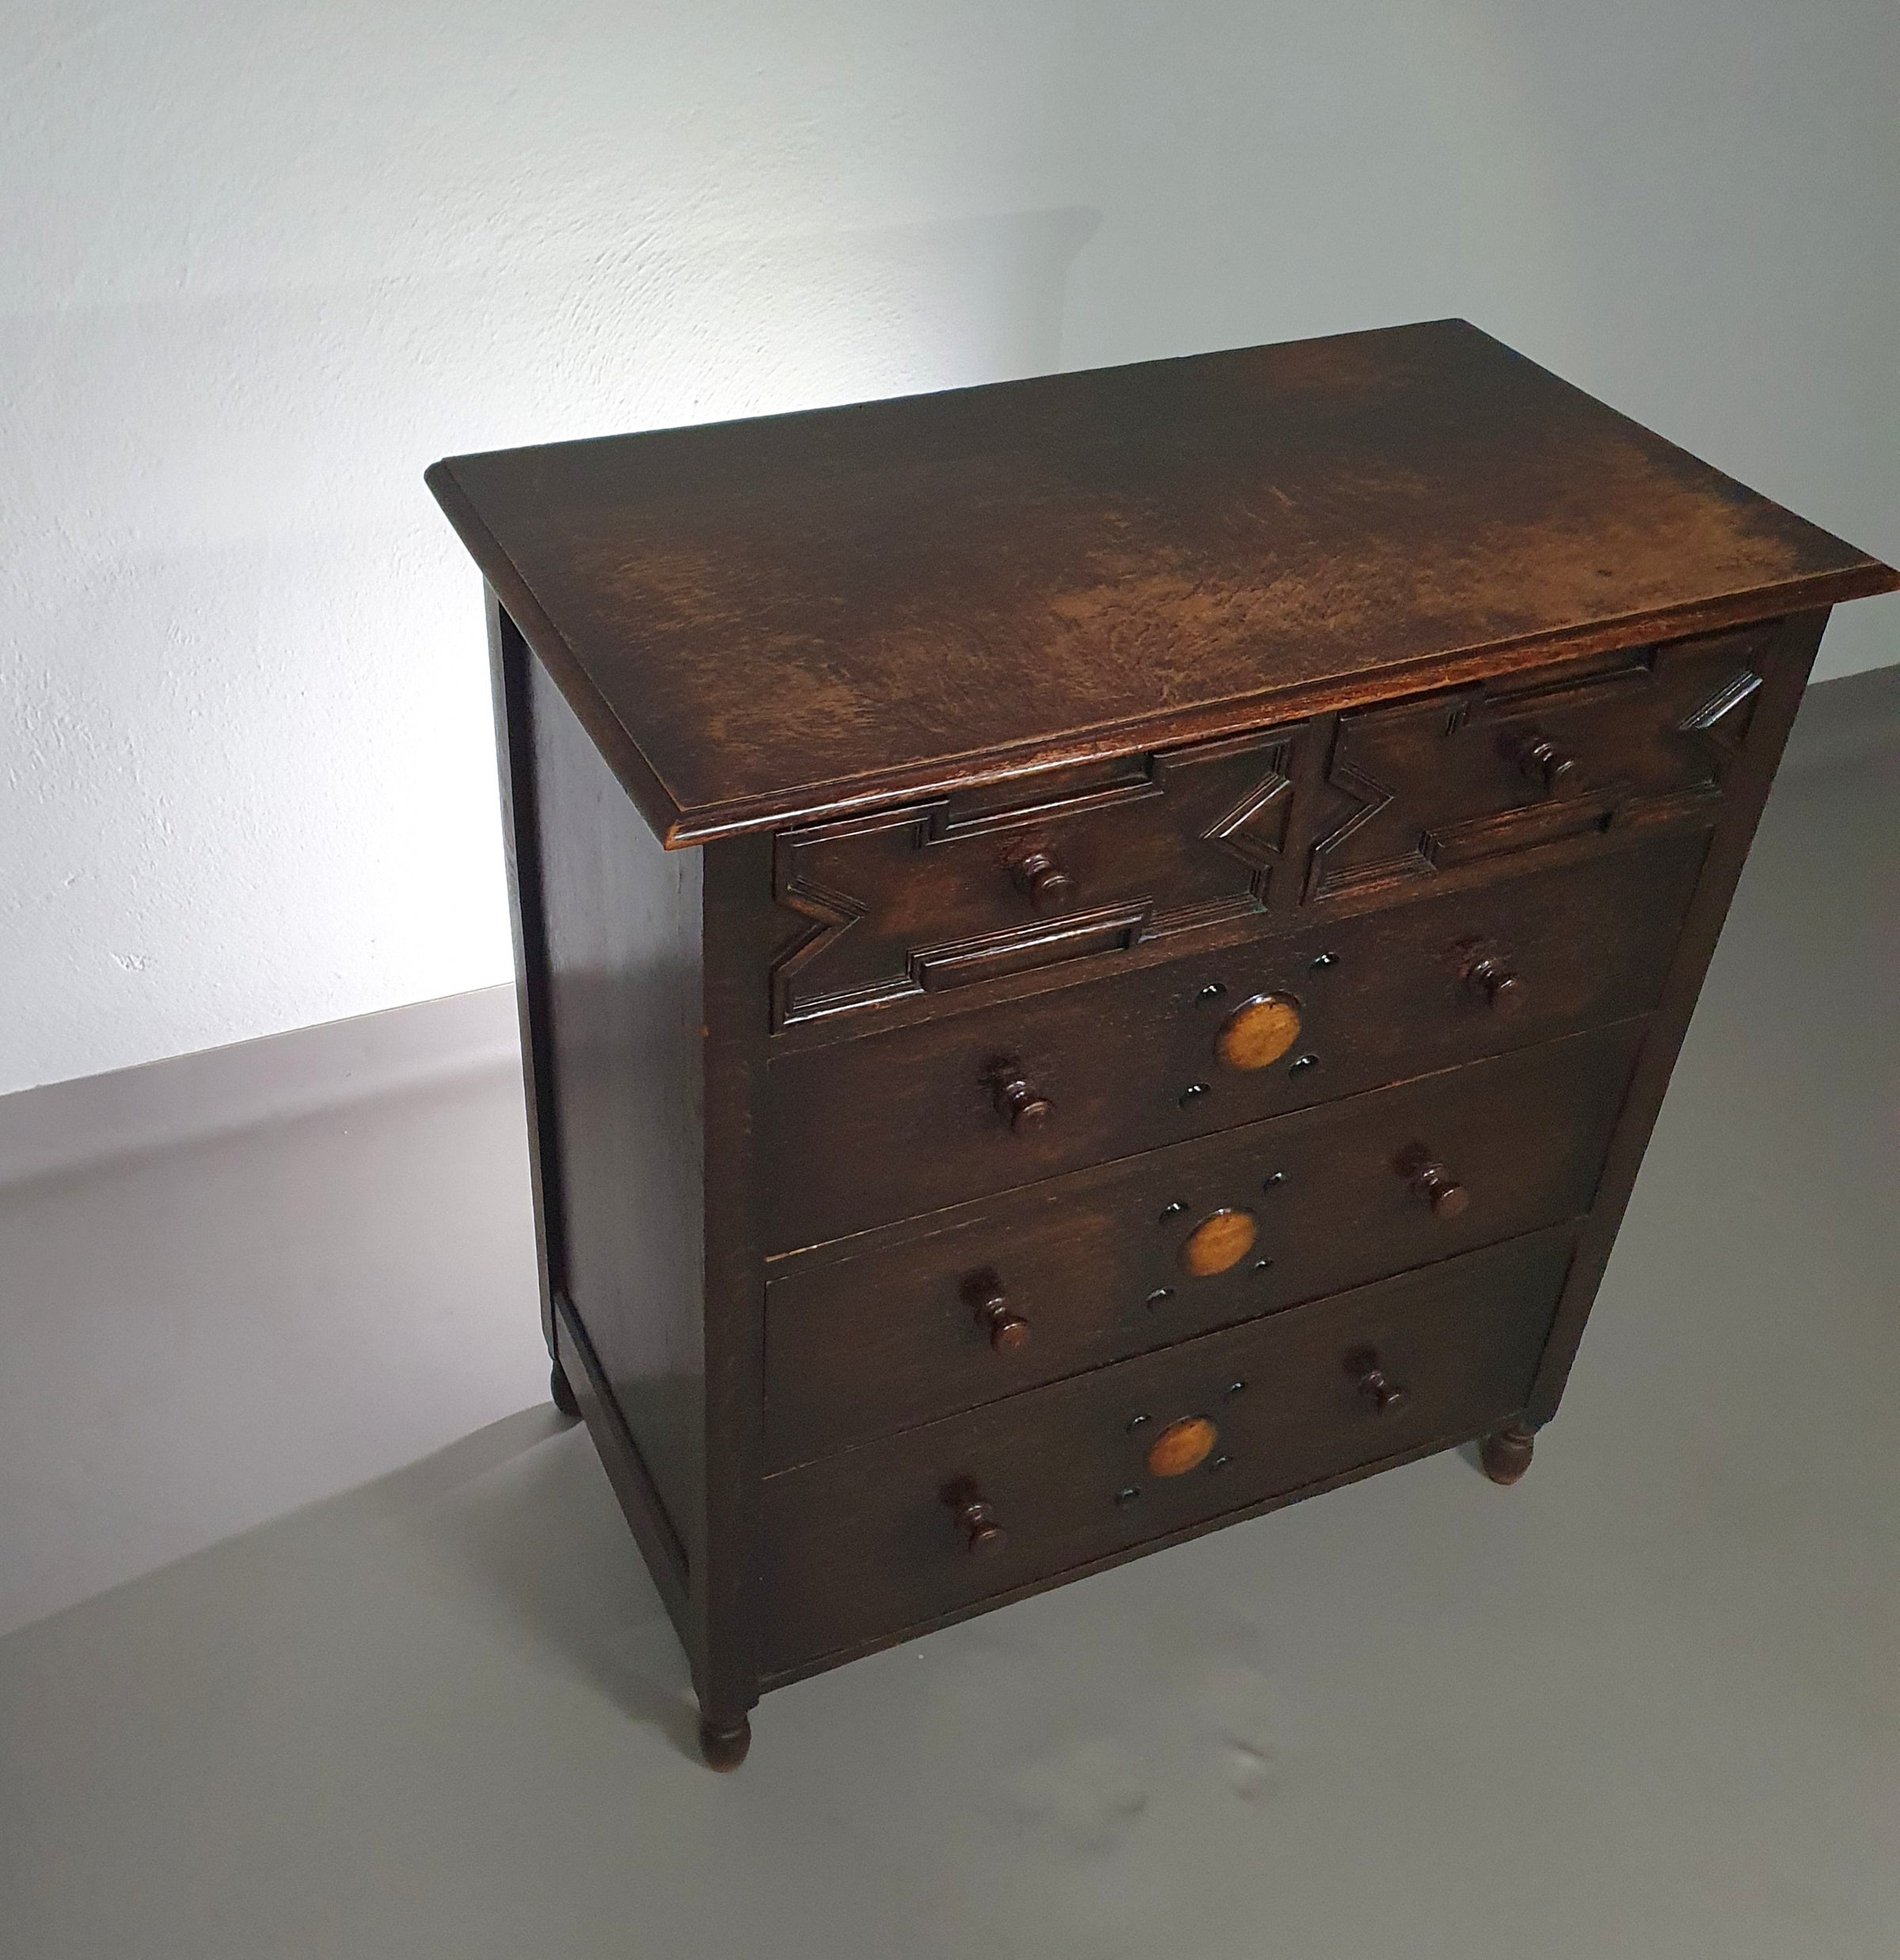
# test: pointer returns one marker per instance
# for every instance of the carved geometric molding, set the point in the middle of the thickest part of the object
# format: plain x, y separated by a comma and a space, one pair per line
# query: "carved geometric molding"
1254, 831
1645, 736
1724, 720
933, 895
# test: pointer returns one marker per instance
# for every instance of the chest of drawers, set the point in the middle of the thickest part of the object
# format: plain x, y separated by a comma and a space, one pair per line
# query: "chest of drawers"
1098, 956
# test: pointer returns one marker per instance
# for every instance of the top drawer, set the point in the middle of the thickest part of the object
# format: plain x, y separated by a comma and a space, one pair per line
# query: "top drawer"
1490, 772
1100, 856
1051, 866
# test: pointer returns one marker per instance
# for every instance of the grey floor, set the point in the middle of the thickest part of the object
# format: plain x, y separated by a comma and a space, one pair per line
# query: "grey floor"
1646, 1704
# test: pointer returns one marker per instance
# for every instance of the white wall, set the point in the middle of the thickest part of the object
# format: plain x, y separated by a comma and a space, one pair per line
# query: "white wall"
263, 262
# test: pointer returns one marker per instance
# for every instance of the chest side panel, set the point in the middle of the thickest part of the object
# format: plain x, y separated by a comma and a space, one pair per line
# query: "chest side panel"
621, 1017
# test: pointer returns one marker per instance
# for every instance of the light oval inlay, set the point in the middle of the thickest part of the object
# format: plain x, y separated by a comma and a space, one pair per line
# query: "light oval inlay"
1258, 1031
1221, 1239
1181, 1446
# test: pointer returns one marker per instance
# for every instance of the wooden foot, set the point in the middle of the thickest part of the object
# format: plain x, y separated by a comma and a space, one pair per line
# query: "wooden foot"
562, 1394
1506, 1453
724, 1748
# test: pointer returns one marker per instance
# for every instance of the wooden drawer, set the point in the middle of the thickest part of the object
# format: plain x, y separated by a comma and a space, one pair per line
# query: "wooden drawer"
894, 1125
862, 1547
1498, 770
882, 1332
1024, 874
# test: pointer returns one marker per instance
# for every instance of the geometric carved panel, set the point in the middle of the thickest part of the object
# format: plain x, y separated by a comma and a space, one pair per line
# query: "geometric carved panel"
942, 894
1499, 768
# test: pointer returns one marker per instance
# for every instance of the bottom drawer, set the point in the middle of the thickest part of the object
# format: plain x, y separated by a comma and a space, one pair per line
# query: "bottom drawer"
862, 1547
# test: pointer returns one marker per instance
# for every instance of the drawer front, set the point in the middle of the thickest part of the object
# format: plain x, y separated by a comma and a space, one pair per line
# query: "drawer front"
895, 1124
900, 1328
1025, 874
1496, 771
860, 1547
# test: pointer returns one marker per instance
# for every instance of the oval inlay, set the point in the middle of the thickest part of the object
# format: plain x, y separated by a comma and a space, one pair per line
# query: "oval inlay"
1220, 1240
1181, 1445
1258, 1031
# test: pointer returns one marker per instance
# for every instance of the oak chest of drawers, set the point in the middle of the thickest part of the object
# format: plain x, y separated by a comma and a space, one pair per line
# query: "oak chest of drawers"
1099, 954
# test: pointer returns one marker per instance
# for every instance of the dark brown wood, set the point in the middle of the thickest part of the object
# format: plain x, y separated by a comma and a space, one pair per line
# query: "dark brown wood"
727, 1601
975, 1516
1382, 1393
542, 775
724, 1747
1046, 1580
1246, 835
1505, 1453
996, 1319
874, 1334
1434, 1184
767, 619
862, 1542
1797, 641
654, 1527
985, 883
620, 938
1041, 879
912, 1120
509, 664
642, 1030
1018, 1101
1472, 776
1495, 982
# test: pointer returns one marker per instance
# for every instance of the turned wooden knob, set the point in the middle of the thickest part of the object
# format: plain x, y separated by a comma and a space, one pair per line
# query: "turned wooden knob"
1440, 1189
1495, 984
1377, 1386
1018, 1103
1548, 766
1007, 1329
975, 1518
1043, 882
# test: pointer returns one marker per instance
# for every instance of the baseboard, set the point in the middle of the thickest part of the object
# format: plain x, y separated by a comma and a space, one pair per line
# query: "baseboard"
66, 1125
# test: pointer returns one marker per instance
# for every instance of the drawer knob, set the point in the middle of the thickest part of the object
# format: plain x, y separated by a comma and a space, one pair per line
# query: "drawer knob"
1181, 1446
1258, 1031
1494, 982
975, 1517
1551, 768
1007, 1329
1043, 882
1377, 1386
1017, 1101
1433, 1184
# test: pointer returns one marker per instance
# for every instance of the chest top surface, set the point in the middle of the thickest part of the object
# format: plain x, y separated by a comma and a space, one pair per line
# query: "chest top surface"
770, 620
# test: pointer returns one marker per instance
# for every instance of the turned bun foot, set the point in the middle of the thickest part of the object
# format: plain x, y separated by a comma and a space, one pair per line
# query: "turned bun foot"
562, 1394
1505, 1453
724, 1748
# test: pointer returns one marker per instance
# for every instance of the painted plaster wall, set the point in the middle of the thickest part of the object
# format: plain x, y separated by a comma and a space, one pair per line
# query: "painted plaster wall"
262, 262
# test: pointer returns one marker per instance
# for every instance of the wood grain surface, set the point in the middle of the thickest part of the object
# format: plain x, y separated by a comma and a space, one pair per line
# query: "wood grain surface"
882, 1332
765, 619
910, 1121
864, 1544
